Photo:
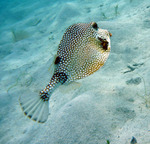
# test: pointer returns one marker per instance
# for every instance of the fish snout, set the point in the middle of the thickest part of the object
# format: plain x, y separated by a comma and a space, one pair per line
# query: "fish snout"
110, 34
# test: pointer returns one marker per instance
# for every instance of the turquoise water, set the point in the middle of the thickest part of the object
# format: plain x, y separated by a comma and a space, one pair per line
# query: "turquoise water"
112, 105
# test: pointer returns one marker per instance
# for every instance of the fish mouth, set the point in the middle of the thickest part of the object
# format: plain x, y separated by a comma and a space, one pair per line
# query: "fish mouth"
104, 43
110, 34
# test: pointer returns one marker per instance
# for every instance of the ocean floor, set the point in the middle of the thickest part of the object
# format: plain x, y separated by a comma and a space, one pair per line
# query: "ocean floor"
112, 105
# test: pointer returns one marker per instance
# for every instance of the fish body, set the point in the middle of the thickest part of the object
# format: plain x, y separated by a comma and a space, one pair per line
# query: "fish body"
84, 49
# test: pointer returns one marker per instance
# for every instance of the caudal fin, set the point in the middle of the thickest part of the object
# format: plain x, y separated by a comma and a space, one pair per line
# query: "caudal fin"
35, 107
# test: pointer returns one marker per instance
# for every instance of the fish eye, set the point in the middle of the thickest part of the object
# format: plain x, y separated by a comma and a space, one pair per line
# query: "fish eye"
94, 25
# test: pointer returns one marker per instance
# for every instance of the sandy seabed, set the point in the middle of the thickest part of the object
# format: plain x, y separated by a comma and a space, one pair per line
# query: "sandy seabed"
112, 105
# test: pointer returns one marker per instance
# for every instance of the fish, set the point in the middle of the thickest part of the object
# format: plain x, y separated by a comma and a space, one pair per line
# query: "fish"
83, 50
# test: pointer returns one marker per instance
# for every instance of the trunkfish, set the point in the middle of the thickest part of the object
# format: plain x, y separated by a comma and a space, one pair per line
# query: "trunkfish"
84, 49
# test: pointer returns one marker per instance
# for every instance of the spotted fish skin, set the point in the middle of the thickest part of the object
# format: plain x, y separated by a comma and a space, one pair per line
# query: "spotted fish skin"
81, 51
84, 49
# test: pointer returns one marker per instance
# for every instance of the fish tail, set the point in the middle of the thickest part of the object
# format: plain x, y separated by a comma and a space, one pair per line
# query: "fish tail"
36, 107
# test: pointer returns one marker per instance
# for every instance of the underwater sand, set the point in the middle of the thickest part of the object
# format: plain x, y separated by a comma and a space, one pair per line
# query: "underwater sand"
112, 104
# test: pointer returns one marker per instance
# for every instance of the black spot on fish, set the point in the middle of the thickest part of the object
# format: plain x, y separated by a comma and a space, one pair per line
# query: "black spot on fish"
57, 60
29, 116
25, 113
41, 121
62, 77
35, 119
95, 26
104, 43
45, 96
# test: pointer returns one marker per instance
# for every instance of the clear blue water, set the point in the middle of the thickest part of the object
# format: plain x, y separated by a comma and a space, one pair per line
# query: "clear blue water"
112, 105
